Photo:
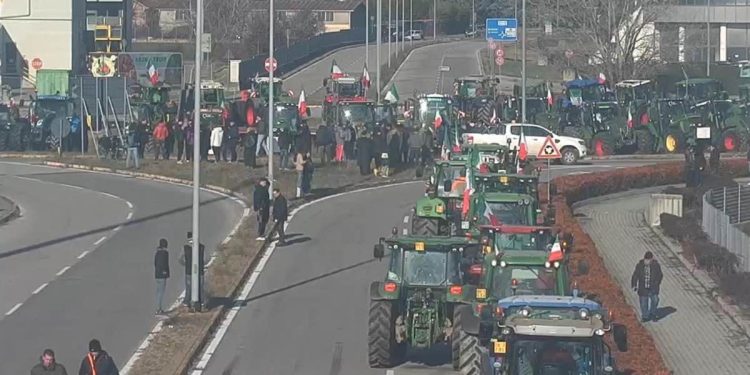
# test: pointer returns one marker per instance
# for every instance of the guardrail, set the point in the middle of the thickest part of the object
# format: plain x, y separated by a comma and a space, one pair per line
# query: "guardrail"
663, 203
723, 208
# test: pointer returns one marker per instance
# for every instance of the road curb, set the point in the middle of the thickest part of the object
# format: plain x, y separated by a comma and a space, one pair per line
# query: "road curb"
11, 214
658, 156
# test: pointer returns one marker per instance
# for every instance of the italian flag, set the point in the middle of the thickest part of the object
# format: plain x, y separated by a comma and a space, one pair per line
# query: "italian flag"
549, 97
630, 119
523, 152
556, 254
494, 116
365, 78
468, 191
153, 74
490, 216
302, 104
335, 70
438, 119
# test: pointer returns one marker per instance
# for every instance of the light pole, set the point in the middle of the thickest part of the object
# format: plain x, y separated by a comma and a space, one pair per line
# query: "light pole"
523, 62
411, 21
389, 32
379, 34
270, 96
403, 23
515, 15
473, 18
434, 19
395, 19
367, 31
195, 287
708, 38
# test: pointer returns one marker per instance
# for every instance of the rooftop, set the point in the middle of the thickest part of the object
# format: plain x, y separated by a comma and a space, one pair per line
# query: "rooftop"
311, 5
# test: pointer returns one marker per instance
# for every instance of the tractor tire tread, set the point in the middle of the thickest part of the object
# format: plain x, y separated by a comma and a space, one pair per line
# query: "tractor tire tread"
381, 342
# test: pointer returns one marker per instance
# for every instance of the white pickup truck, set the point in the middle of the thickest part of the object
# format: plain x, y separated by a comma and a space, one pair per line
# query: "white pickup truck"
571, 149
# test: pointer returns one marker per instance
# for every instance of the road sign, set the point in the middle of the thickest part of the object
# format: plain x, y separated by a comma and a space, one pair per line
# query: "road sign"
500, 53
206, 43
36, 63
500, 61
549, 150
492, 44
444, 68
569, 54
502, 29
269, 63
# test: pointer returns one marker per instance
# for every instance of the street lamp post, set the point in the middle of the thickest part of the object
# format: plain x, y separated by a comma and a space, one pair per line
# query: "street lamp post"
434, 19
523, 62
390, 2
395, 19
269, 149
379, 34
403, 22
708, 38
474, 19
411, 21
367, 31
195, 286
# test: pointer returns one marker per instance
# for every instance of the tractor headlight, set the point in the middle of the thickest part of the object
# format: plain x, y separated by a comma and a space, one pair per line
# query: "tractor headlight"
526, 201
557, 264
520, 202
494, 263
503, 264
599, 332
506, 331
583, 313
526, 312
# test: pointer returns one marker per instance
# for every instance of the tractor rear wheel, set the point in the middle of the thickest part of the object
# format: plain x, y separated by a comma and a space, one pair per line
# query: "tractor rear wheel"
674, 142
484, 114
601, 146
4, 140
644, 141
730, 141
465, 348
383, 350
422, 226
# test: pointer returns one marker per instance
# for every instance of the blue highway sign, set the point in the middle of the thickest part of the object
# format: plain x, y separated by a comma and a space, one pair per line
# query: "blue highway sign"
502, 29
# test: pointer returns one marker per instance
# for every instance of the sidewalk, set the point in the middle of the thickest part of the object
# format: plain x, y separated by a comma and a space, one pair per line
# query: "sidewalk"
694, 335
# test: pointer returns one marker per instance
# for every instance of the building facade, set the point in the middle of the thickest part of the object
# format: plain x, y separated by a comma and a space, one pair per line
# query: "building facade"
683, 37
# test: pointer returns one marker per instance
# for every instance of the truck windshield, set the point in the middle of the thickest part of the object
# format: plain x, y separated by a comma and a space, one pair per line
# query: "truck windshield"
431, 267
510, 213
531, 280
552, 356
212, 96
358, 113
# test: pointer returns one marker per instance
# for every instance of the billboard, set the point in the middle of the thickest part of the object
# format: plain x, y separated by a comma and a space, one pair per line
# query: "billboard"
146, 68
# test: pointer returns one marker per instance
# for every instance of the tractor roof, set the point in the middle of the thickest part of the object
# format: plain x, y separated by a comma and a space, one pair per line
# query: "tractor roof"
533, 258
471, 78
357, 101
506, 197
556, 327
557, 302
346, 80
515, 229
697, 81
434, 96
433, 243
631, 83
581, 83
510, 177
486, 147
266, 79
211, 85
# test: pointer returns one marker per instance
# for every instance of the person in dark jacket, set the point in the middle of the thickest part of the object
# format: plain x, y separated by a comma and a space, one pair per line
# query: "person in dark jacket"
380, 146
285, 149
364, 153
646, 281
97, 361
394, 148
262, 206
280, 215
326, 142
187, 260
303, 141
178, 132
232, 135
48, 366
161, 273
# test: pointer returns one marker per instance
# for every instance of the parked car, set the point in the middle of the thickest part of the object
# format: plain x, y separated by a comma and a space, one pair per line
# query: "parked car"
571, 149
414, 35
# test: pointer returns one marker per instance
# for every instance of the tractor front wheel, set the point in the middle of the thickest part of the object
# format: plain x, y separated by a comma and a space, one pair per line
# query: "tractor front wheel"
383, 350
673, 142
465, 348
421, 226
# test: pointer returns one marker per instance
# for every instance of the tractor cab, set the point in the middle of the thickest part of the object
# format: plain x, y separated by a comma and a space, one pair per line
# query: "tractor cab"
438, 213
340, 88
261, 85
490, 157
496, 208
699, 89
634, 92
385, 114
212, 103
552, 335
356, 112
471, 87
286, 118
507, 183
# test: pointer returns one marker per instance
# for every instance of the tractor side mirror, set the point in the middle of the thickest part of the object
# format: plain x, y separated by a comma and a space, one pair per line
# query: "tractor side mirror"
447, 185
620, 336
582, 268
379, 251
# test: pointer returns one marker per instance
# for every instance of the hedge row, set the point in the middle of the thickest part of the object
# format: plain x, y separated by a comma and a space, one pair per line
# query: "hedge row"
643, 356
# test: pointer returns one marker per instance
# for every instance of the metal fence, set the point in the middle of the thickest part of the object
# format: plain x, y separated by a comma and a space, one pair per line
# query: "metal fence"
723, 209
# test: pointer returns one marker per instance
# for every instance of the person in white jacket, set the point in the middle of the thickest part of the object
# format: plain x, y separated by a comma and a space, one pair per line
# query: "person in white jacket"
217, 135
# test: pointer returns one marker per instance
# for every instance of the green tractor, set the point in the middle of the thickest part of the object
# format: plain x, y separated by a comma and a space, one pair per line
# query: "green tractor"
635, 99
286, 115
696, 90
150, 104
423, 112
359, 113
496, 208
476, 96
537, 111
586, 113
414, 306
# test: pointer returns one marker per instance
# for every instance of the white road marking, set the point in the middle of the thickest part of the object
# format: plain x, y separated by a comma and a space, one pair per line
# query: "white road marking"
16, 307
130, 205
479, 61
110, 195
100, 240
39, 289
62, 271
130, 215
237, 305
83, 254
117, 229
579, 172
405, 231
406, 219
390, 372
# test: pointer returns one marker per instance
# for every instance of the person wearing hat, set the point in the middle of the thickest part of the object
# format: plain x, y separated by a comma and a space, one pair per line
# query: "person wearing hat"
97, 361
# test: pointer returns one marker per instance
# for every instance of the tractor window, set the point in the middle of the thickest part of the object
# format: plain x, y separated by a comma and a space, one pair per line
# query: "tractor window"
4, 117
518, 241
349, 89
552, 356
451, 173
286, 115
51, 107
397, 262
532, 280
431, 267
510, 213
358, 113
212, 96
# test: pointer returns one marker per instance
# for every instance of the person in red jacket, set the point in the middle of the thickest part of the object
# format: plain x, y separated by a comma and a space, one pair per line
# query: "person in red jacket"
160, 136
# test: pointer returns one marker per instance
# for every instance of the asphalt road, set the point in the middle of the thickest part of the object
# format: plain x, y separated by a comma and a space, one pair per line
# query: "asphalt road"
307, 310
78, 264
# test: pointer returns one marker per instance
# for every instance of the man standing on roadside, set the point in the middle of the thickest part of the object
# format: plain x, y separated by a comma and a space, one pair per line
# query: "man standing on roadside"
48, 366
280, 216
160, 136
97, 361
187, 260
161, 272
646, 281
261, 206
134, 143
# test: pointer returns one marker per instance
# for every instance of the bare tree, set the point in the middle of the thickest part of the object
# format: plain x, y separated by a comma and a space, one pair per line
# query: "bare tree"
614, 37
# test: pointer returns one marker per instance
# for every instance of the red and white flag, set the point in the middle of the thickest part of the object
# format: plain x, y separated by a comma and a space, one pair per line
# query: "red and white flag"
153, 74
549, 97
630, 119
494, 116
365, 78
335, 70
556, 254
438, 120
490, 216
523, 151
602, 78
302, 104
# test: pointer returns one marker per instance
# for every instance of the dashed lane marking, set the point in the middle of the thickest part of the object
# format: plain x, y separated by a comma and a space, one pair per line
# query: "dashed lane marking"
83, 254
405, 231
130, 215
40, 288
130, 205
62, 271
16, 307
406, 219
100, 240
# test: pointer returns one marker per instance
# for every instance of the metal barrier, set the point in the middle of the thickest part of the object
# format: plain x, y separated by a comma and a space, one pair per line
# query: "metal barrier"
663, 203
723, 208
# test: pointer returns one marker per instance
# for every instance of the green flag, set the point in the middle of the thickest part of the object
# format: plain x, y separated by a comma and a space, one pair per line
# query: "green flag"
392, 95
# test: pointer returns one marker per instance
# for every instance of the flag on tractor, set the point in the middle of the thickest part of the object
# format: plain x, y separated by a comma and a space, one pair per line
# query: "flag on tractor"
392, 95
335, 70
523, 151
602, 78
494, 116
302, 104
556, 253
468, 191
488, 215
438, 119
365, 78
549, 97
630, 119
153, 74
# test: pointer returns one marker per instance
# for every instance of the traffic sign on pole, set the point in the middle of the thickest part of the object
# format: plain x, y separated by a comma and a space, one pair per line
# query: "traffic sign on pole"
499, 52
502, 29
36, 63
492, 44
500, 61
271, 65
549, 150
569, 54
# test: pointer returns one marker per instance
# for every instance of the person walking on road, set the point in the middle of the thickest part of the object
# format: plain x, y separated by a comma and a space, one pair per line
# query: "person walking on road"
261, 206
217, 137
48, 366
187, 260
160, 136
280, 216
646, 281
161, 273
299, 165
97, 361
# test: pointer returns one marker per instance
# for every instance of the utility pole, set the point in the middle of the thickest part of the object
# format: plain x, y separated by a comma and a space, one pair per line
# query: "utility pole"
395, 18
379, 34
195, 278
367, 31
390, 31
474, 19
403, 23
269, 139
434, 19
523, 63
411, 21
708, 38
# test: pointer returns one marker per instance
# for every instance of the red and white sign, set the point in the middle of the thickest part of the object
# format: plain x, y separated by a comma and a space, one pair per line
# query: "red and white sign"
500, 53
271, 65
500, 61
36, 63
492, 45
549, 150
569, 54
